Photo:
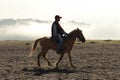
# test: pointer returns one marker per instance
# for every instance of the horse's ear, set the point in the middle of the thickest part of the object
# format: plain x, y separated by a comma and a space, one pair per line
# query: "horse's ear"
79, 29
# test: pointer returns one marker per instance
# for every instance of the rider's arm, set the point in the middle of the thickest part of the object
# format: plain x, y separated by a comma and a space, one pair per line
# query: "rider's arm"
63, 31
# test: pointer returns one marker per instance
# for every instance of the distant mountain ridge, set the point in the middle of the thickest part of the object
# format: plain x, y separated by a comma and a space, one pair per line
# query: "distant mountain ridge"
6, 22
11, 21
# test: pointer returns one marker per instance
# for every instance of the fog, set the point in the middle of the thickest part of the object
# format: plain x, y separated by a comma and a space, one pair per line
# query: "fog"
31, 29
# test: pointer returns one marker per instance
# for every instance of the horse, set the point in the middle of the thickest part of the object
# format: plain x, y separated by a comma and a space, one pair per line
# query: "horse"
49, 43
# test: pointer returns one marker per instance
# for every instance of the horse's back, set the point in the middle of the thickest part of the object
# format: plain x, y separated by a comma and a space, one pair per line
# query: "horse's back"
44, 39
47, 41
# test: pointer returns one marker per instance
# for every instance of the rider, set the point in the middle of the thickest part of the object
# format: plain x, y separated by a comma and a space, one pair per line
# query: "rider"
57, 33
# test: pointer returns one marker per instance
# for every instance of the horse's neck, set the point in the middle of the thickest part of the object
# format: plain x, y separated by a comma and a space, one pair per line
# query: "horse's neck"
72, 37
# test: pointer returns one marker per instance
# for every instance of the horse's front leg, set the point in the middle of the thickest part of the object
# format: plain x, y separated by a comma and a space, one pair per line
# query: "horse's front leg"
69, 54
39, 55
62, 54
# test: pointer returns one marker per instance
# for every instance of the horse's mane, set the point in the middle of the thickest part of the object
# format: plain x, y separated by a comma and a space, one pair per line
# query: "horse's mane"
73, 31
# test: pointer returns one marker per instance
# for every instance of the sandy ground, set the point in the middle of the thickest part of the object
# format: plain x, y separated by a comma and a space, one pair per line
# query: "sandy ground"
93, 61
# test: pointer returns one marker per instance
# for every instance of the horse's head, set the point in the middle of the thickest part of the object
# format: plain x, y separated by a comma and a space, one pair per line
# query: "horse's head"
80, 35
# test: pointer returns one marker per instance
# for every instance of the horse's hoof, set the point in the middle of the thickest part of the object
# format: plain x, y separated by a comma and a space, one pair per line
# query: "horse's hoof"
49, 64
56, 67
73, 66
39, 65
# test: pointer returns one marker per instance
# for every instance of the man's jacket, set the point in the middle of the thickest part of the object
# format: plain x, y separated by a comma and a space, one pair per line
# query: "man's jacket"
57, 29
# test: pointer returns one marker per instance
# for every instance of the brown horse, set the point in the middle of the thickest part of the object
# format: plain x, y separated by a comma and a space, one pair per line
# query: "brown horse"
49, 43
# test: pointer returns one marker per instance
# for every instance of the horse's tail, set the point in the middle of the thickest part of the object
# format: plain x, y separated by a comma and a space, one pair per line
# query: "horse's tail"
34, 47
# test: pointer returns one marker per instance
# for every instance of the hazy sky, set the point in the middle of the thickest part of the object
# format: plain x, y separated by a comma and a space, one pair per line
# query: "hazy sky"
102, 15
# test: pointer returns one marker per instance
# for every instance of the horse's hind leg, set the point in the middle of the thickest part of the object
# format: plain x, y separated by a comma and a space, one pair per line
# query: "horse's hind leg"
43, 53
39, 55
47, 60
